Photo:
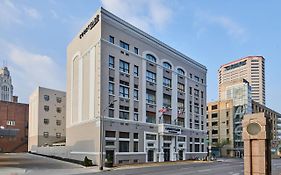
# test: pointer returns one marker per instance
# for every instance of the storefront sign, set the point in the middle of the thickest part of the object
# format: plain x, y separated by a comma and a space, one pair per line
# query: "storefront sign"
90, 26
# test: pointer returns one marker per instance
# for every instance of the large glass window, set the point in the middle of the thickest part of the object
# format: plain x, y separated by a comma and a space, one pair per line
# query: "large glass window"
151, 58
150, 76
111, 61
124, 91
136, 146
167, 82
167, 65
150, 137
150, 97
124, 45
123, 146
124, 66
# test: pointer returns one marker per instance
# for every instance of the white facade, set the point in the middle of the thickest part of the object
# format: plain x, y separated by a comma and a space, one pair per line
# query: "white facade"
46, 117
113, 61
6, 89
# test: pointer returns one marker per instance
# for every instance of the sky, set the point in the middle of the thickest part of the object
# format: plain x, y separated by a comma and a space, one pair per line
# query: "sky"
34, 36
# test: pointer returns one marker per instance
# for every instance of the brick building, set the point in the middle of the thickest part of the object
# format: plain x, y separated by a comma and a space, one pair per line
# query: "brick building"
13, 127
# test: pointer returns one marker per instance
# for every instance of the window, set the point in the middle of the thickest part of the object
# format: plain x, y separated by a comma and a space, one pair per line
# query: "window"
167, 82
109, 143
196, 109
126, 108
111, 39
215, 115
150, 137
11, 123
214, 107
136, 146
136, 136
58, 135
110, 134
180, 71
136, 116
150, 117
197, 148
136, 94
196, 92
124, 83
46, 121
46, 97
124, 115
58, 122
166, 101
124, 66
190, 90
111, 61
124, 45
46, 134
46, 108
58, 110
167, 65
124, 135
123, 146
124, 91
150, 97
202, 94
181, 87
136, 50
181, 139
151, 58
150, 76
136, 70
190, 76
111, 88
111, 113
59, 99
196, 78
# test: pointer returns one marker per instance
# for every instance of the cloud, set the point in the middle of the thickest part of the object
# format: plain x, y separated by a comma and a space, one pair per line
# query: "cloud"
30, 70
144, 14
16, 13
32, 12
232, 28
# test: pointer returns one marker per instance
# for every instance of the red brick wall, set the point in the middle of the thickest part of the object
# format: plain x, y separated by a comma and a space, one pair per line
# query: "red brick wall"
19, 113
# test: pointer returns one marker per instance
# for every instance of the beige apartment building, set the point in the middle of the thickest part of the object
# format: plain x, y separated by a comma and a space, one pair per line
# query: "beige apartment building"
250, 68
223, 126
152, 98
46, 117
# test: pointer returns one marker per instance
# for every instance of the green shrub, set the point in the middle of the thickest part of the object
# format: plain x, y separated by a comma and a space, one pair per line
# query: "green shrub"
87, 162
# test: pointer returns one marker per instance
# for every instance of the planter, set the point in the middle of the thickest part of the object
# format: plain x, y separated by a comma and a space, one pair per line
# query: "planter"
108, 164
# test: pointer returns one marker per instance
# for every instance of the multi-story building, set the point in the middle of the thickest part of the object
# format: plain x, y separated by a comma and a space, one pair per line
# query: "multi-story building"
250, 68
220, 126
6, 90
13, 127
46, 117
152, 98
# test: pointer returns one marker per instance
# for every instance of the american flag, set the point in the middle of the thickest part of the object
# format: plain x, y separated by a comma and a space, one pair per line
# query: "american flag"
163, 110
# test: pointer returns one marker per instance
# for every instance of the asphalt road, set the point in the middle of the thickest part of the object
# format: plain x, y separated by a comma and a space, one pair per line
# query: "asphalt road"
33, 164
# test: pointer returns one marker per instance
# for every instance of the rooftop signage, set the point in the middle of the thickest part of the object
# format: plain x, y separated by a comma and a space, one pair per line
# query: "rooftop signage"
236, 65
90, 26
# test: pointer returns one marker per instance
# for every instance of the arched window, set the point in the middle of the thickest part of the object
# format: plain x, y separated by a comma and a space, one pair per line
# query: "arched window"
180, 71
167, 65
150, 58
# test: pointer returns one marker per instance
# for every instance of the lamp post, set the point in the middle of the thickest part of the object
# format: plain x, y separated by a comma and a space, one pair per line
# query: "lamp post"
102, 133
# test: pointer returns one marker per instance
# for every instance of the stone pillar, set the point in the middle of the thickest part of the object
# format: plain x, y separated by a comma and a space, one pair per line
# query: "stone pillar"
257, 148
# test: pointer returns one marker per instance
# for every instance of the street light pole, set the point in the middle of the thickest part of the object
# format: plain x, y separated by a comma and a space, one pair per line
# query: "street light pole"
102, 133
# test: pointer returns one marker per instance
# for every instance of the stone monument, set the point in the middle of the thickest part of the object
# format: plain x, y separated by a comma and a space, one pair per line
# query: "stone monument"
257, 145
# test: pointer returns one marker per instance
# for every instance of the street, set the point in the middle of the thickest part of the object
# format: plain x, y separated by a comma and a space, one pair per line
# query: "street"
32, 164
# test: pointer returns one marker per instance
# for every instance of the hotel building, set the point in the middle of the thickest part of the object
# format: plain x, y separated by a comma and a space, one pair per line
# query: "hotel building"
250, 68
150, 98
46, 118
